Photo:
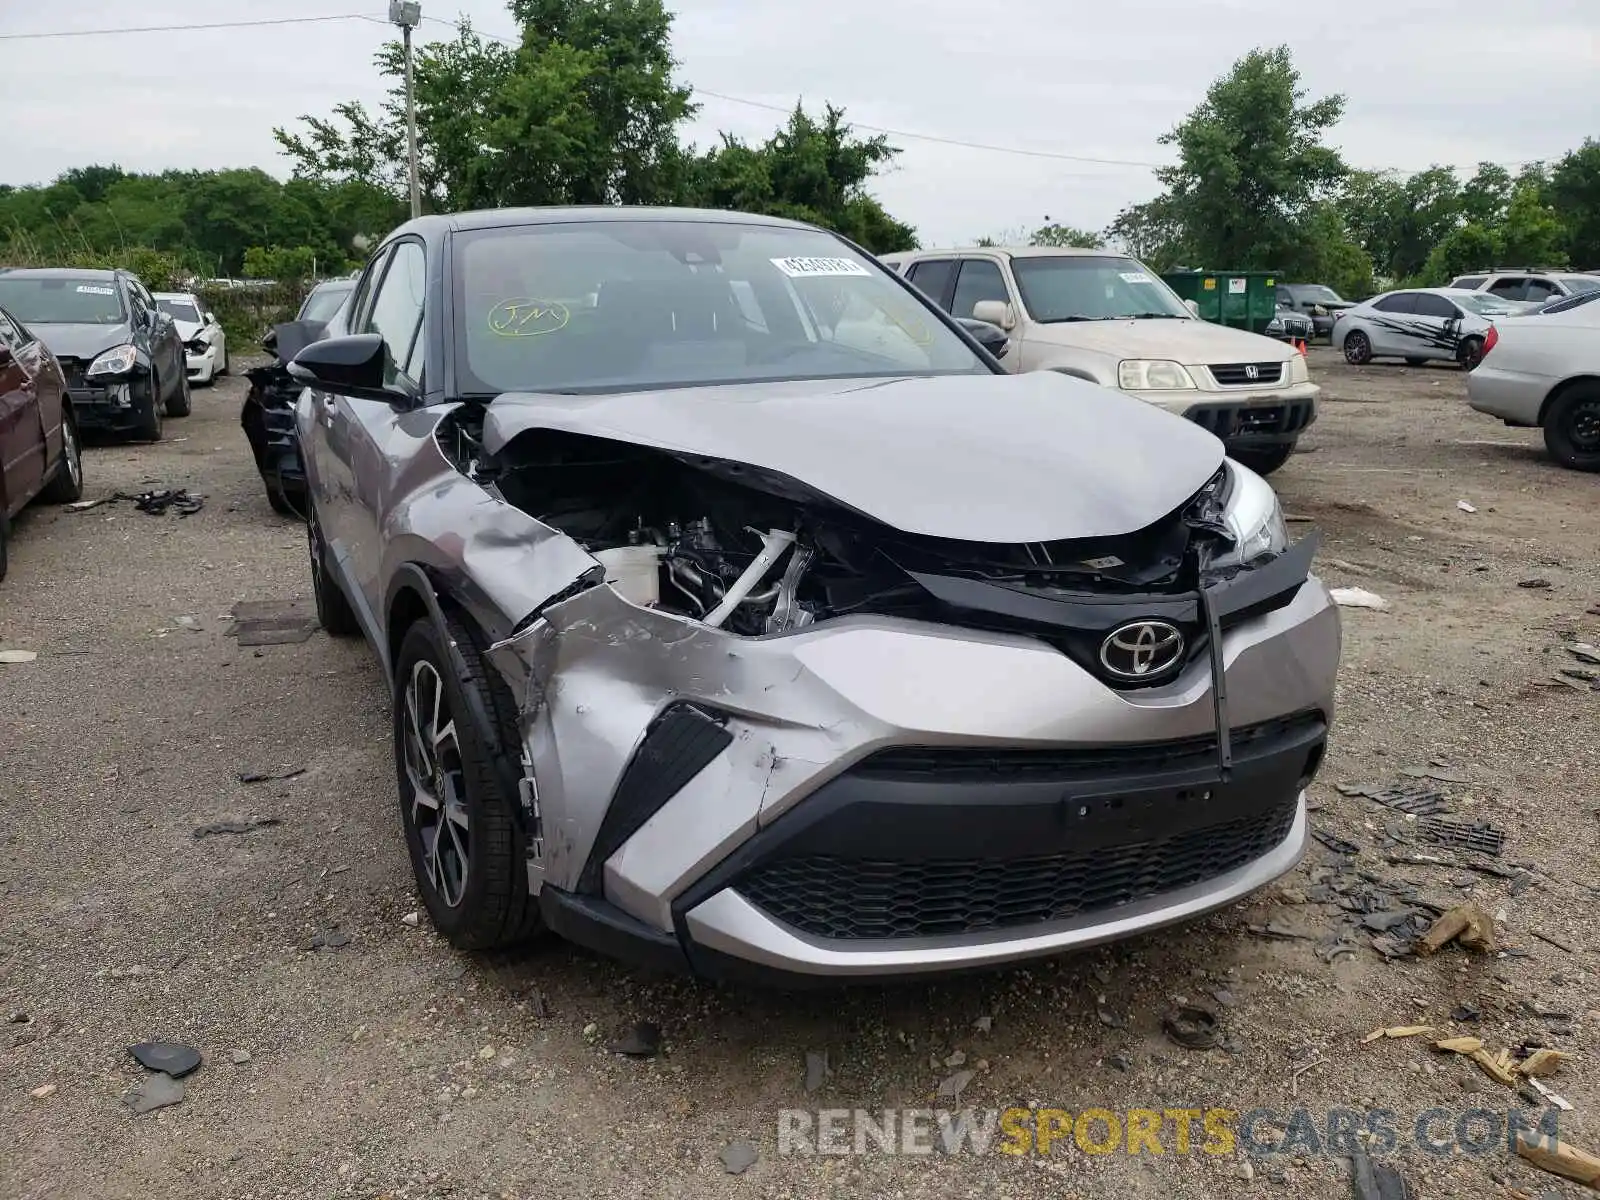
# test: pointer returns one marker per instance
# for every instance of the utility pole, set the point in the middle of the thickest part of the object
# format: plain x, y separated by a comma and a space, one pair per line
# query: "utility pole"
408, 15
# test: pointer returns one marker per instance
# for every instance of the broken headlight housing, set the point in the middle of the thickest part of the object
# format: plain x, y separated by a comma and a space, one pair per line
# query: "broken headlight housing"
1255, 520
1298, 372
119, 360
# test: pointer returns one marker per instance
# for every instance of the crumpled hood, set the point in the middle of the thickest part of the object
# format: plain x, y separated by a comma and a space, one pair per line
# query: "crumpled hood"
186, 329
81, 341
1036, 457
1188, 342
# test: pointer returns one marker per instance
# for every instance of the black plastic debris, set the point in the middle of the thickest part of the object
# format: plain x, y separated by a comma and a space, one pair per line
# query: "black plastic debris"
1465, 1012
244, 826
1383, 922
1469, 835
1330, 950
1522, 882
172, 1058
1337, 844
1434, 771
642, 1041
1376, 1180
267, 776
156, 503
328, 939
1413, 799
1192, 1027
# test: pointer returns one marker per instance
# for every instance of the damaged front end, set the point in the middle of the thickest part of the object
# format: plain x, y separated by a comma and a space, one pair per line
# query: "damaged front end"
267, 417
763, 714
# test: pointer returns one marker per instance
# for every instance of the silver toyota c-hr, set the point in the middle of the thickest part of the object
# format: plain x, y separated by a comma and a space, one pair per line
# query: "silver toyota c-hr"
744, 617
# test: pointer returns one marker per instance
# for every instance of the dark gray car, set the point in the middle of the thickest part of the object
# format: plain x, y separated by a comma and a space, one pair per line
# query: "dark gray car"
744, 616
123, 357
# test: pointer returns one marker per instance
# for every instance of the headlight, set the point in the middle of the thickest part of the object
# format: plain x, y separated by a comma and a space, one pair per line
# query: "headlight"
1254, 518
1298, 372
198, 346
119, 360
1152, 375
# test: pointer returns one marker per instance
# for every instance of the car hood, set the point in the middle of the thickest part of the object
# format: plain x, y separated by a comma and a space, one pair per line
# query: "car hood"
1036, 457
1198, 342
81, 341
187, 329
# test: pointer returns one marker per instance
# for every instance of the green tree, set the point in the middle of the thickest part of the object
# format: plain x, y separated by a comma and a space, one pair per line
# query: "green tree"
1251, 167
1472, 247
1574, 194
1532, 233
1154, 233
285, 264
1055, 234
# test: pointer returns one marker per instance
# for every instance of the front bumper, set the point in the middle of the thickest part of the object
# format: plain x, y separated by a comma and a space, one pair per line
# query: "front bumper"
268, 420
877, 797
113, 407
1513, 396
1244, 421
202, 368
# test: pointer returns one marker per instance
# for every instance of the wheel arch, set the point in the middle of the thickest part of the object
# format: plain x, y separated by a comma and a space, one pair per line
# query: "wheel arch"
1561, 389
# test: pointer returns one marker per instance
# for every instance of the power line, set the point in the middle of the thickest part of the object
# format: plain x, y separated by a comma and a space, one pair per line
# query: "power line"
70, 33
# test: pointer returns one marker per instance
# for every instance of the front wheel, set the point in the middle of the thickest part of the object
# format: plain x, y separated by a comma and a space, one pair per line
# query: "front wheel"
1572, 428
147, 423
467, 848
1357, 348
66, 485
182, 402
1264, 461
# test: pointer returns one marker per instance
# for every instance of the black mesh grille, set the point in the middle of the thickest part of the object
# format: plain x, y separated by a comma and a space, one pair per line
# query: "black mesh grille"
1238, 374
834, 897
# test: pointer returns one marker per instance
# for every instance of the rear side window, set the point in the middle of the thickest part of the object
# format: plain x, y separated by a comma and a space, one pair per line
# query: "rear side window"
1429, 305
1401, 302
932, 278
1509, 289
1469, 282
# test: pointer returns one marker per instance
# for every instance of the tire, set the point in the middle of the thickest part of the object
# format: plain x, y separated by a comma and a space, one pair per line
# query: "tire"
474, 883
1416, 362
1572, 427
182, 402
66, 485
1470, 353
226, 369
5, 538
281, 504
148, 426
1357, 348
1263, 462
334, 613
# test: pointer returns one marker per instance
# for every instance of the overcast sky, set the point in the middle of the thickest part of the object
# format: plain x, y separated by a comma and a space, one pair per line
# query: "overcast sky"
1426, 81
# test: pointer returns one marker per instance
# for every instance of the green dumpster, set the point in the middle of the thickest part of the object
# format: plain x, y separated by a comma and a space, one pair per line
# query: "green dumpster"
1242, 299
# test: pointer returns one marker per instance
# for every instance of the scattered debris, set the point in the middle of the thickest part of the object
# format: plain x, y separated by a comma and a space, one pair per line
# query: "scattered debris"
983, 1024
156, 503
19, 1018
1533, 583
1465, 507
738, 1157
244, 826
271, 622
410, 919
1584, 652
1191, 1026
1376, 1180
265, 776
240, 1057
1294, 1076
1559, 1158
43, 1091
1560, 1102
952, 1087
1465, 1012
170, 1058
1466, 923
156, 1090
641, 1041
1553, 939
816, 1069
1414, 799
328, 939
1357, 598
1398, 1031
18, 656
1459, 1045
1541, 1063
956, 1059
1471, 835
86, 505
1337, 844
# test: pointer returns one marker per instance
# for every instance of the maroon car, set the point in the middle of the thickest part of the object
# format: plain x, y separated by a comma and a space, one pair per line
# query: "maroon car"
38, 437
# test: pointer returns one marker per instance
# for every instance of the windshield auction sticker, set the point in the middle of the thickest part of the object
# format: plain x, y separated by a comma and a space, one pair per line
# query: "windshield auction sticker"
801, 268
525, 317
90, 289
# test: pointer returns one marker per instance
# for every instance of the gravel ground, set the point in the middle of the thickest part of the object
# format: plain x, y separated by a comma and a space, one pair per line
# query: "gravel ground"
391, 1066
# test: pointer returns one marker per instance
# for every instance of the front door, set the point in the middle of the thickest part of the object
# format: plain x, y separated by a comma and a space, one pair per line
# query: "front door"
22, 448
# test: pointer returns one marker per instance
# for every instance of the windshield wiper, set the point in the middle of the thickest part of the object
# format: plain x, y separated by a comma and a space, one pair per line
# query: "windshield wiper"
1155, 316
1074, 317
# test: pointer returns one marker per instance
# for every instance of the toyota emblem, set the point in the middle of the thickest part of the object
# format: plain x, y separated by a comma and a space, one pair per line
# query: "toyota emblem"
1142, 650
1252, 371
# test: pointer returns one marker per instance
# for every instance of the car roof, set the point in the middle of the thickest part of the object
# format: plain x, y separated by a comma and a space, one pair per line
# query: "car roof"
334, 285
60, 273
1027, 251
499, 218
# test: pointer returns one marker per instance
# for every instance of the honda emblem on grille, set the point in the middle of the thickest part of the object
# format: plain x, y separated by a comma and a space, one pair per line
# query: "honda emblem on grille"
1141, 650
1252, 371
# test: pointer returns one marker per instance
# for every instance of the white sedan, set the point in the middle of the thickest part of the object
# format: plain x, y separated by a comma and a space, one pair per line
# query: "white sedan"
205, 345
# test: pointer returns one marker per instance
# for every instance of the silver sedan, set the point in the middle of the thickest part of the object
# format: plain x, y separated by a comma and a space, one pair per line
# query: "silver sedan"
1421, 325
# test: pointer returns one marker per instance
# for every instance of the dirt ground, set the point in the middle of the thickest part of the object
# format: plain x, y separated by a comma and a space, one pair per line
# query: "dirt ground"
391, 1066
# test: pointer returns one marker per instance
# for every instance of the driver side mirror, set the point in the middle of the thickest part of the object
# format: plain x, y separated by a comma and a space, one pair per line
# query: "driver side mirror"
353, 365
990, 336
994, 312
211, 319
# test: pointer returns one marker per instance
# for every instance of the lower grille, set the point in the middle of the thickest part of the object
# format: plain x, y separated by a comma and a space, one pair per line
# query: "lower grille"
1240, 374
857, 899
1228, 421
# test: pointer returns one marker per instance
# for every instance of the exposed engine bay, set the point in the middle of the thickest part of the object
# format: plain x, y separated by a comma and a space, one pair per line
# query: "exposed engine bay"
743, 549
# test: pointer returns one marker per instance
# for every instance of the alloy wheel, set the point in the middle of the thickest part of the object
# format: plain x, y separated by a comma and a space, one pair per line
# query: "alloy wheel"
71, 453
438, 784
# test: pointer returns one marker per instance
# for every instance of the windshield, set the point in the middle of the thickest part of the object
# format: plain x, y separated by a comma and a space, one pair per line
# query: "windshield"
1317, 294
180, 310
1073, 287
1487, 305
61, 301
1563, 303
324, 301
1582, 283
630, 305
